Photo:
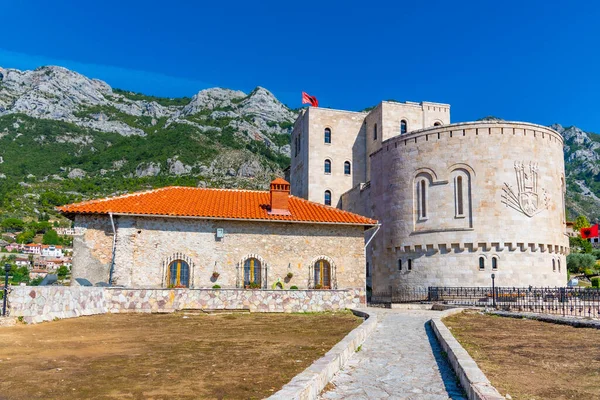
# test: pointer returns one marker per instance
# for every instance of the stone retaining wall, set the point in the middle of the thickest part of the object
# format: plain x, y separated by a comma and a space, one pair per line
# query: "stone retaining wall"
472, 379
45, 303
37, 304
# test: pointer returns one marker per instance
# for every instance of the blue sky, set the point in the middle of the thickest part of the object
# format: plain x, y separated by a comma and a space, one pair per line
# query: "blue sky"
534, 61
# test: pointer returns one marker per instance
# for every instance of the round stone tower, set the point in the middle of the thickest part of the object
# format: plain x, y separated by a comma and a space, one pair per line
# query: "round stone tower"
460, 202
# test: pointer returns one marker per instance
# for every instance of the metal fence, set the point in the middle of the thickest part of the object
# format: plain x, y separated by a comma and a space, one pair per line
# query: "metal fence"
566, 301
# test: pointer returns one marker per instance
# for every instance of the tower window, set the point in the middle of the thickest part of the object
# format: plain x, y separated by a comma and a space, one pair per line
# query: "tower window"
553, 265
400, 265
494, 263
437, 124
347, 168
403, 126
327, 166
328, 197
558, 262
422, 199
375, 132
327, 135
481, 263
460, 209
409, 264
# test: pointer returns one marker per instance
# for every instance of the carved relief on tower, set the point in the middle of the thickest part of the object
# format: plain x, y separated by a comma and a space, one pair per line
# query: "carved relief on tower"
527, 197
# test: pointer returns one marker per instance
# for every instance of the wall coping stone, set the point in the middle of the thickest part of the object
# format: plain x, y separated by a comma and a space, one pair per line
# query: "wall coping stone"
308, 384
472, 379
554, 319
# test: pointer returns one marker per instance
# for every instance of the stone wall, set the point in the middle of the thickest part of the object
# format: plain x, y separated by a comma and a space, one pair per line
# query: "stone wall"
352, 140
168, 300
45, 303
146, 245
513, 215
37, 304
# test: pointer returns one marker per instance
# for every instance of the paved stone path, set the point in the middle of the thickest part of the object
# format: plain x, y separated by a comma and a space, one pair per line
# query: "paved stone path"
402, 359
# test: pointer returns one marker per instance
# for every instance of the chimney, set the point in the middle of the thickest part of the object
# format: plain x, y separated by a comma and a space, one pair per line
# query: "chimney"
280, 193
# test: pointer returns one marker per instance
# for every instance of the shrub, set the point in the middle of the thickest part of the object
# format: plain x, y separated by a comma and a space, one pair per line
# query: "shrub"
596, 282
290, 275
216, 287
589, 272
293, 287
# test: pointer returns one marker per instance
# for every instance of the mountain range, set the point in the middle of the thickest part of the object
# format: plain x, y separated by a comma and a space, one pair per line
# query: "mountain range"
65, 137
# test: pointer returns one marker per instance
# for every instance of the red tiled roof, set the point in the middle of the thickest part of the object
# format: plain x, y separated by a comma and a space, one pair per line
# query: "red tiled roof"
177, 201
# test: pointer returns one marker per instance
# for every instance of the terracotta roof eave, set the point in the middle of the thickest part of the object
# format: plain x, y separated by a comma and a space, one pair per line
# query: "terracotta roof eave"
371, 223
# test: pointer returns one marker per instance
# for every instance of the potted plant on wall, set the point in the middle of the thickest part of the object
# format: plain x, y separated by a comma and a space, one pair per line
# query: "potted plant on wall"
289, 275
215, 275
254, 285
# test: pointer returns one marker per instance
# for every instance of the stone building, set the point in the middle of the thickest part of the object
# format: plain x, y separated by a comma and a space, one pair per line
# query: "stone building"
456, 202
197, 238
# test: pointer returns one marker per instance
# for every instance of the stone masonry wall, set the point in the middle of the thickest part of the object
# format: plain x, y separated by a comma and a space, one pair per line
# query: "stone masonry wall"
514, 211
45, 303
145, 246
37, 304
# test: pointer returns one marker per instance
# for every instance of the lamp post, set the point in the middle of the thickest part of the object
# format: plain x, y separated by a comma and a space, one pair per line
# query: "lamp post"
493, 291
6, 271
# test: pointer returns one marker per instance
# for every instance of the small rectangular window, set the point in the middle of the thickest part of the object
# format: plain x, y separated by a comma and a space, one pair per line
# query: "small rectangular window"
375, 132
409, 264
399, 265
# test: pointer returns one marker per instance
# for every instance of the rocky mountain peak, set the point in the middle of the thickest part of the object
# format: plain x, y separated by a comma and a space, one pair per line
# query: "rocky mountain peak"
211, 99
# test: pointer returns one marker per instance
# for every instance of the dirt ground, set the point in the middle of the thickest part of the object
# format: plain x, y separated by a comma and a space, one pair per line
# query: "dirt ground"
530, 359
160, 356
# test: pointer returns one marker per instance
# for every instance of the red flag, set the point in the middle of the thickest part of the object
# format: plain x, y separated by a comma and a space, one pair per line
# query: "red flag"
308, 99
590, 232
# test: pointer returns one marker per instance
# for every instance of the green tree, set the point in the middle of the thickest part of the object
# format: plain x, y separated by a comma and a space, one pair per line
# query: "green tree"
12, 225
580, 222
577, 262
36, 281
62, 272
51, 237
19, 274
580, 245
25, 237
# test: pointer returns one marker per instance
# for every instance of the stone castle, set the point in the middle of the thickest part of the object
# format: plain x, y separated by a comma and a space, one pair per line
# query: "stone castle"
455, 202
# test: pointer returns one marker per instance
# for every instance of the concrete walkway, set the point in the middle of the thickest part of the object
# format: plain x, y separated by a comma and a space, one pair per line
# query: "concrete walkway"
400, 360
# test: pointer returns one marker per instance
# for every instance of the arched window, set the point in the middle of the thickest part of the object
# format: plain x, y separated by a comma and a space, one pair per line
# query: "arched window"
481, 263
322, 275
403, 126
558, 266
347, 168
178, 274
327, 135
327, 166
494, 263
400, 265
462, 193
252, 269
327, 197
437, 124
375, 132
553, 265
459, 202
422, 199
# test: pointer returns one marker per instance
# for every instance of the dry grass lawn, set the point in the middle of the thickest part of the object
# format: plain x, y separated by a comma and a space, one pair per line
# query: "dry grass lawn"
164, 356
530, 359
